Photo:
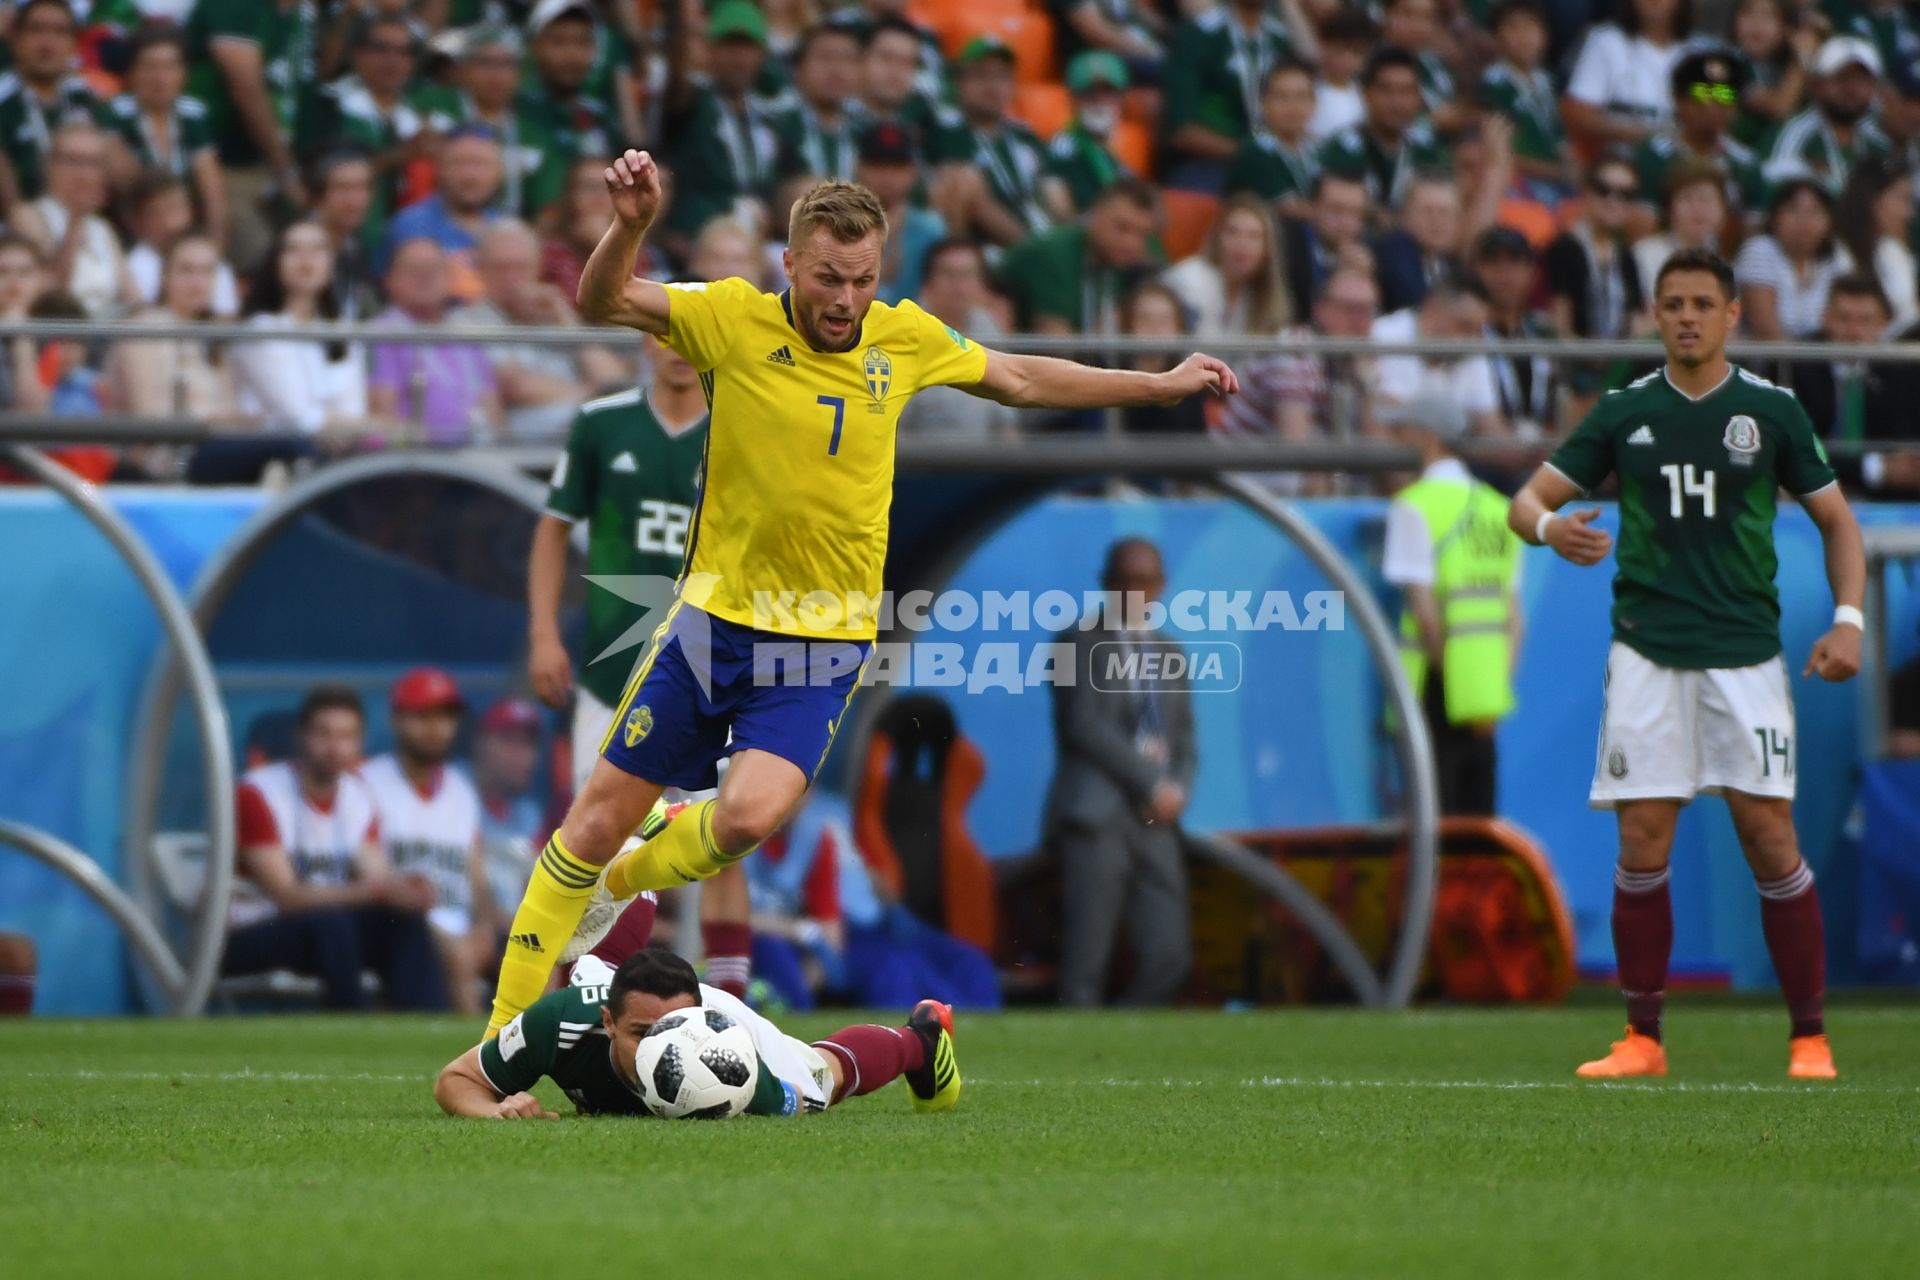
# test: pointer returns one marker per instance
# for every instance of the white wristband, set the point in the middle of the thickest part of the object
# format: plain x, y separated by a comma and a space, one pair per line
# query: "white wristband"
1845, 615
1540, 528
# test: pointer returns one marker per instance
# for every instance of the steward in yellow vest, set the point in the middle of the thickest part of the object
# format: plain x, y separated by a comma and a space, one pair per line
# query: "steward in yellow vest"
1457, 566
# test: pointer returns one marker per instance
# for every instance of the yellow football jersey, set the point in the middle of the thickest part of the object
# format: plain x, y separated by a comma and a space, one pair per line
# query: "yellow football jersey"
791, 531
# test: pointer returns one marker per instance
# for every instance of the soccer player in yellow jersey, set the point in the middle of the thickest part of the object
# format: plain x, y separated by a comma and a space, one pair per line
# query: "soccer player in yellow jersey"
781, 582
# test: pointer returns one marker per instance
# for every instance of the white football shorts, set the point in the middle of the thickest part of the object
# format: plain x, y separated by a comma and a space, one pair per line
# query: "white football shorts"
1672, 733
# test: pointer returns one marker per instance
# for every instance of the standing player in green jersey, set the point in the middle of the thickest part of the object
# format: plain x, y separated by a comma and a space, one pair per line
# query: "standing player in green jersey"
584, 1036
631, 470
1696, 688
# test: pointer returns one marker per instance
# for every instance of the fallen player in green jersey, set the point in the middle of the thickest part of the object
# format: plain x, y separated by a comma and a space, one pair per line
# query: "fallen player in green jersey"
584, 1037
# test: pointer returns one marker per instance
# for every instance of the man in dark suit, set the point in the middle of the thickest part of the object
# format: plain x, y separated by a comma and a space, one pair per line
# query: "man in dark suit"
1423, 249
1125, 741
1853, 402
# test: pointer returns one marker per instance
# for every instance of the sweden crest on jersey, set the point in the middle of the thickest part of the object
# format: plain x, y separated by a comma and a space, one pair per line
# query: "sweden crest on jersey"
879, 373
639, 724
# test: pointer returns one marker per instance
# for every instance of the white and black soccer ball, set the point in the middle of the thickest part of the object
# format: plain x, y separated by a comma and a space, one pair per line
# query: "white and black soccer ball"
696, 1064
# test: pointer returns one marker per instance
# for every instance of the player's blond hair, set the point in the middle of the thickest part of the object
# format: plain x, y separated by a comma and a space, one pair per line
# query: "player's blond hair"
849, 212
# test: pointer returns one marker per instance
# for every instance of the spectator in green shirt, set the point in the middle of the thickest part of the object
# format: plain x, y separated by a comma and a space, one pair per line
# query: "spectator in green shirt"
485, 90
40, 94
1391, 142
1518, 87
1131, 30
817, 132
1278, 164
554, 106
1212, 77
1414, 25
1079, 155
1706, 97
369, 109
994, 159
890, 79
252, 61
721, 149
161, 128
1070, 279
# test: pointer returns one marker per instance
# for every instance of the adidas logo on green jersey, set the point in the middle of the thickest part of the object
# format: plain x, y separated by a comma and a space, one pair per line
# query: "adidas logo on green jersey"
782, 356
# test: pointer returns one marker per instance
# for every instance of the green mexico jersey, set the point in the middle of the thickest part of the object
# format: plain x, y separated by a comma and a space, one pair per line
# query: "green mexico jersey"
1698, 479
1084, 163
561, 1037
1807, 146
1215, 68
637, 486
187, 133
1009, 154
1272, 170
1527, 99
285, 35
27, 125
1655, 158
1355, 153
811, 146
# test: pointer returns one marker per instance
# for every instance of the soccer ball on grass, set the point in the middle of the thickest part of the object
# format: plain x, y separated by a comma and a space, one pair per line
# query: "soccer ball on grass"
696, 1064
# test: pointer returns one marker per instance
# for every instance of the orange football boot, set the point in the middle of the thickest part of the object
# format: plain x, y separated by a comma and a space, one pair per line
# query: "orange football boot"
1637, 1055
1811, 1058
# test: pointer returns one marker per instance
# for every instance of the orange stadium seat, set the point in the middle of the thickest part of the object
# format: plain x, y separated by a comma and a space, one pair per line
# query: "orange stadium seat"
958, 21
1190, 216
1045, 108
1028, 34
1132, 144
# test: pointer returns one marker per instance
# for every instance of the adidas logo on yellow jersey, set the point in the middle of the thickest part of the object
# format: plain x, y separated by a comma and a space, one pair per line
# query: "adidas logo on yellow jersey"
782, 356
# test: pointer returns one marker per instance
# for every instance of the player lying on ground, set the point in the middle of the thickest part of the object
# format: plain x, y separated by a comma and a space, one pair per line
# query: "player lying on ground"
1696, 690
806, 389
585, 1035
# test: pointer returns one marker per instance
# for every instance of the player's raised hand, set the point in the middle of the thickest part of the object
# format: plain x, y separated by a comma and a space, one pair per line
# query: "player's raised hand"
1575, 538
522, 1106
633, 180
1198, 372
1836, 655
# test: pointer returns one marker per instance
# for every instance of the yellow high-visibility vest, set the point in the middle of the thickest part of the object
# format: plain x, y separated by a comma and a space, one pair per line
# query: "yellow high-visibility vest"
1475, 558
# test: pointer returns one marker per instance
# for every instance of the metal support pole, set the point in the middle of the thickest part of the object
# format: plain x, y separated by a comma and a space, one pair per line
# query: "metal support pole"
1416, 750
85, 872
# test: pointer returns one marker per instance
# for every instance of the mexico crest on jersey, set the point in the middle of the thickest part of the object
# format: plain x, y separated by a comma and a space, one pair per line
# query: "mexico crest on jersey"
879, 373
1742, 439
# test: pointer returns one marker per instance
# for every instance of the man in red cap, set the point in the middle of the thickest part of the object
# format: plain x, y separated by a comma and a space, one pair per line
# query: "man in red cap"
430, 826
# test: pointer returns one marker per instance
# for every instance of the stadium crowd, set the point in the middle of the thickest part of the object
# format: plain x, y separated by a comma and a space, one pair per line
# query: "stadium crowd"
1248, 169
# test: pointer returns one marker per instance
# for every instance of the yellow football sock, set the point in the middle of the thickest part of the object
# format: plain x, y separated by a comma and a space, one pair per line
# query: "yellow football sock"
681, 854
549, 913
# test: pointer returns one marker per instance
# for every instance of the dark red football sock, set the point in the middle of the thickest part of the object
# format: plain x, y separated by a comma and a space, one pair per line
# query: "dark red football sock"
1642, 943
630, 933
873, 1056
729, 949
1796, 939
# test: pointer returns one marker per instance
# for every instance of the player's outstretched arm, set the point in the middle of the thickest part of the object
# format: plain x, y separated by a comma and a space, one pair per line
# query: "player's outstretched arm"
1531, 516
1042, 382
1836, 655
608, 293
462, 1090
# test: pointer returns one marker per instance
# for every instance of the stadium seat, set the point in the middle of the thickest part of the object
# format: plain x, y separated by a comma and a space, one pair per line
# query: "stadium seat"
1045, 108
909, 819
958, 21
1027, 33
1190, 216
1132, 144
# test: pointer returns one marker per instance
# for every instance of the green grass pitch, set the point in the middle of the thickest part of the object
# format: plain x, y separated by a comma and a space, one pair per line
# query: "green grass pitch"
1296, 1143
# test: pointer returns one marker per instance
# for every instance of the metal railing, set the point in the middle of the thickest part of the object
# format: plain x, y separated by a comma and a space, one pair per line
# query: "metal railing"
1224, 345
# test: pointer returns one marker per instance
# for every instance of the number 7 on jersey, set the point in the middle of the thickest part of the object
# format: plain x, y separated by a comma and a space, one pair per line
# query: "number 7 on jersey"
839, 406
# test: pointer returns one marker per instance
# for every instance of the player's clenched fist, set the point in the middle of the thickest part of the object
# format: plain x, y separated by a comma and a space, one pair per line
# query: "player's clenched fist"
522, 1106
633, 181
1836, 655
1574, 537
